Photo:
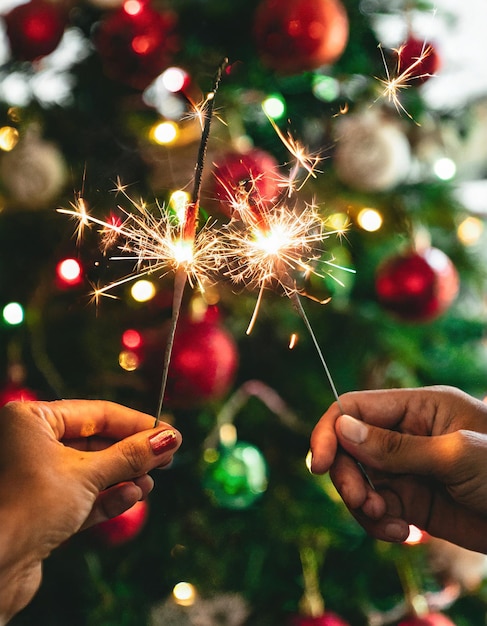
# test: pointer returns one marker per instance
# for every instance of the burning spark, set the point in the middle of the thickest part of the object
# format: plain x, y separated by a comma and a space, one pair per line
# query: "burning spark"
275, 248
400, 79
293, 340
157, 243
304, 160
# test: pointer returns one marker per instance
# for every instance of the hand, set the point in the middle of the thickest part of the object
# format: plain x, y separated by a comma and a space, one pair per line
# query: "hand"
425, 451
64, 466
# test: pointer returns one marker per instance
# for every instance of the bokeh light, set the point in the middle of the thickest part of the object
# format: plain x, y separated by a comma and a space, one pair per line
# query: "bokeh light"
369, 219
143, 290
13, 313
184, 593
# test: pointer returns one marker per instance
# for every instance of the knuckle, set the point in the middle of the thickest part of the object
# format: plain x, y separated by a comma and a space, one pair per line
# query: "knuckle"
134, 456
391, 443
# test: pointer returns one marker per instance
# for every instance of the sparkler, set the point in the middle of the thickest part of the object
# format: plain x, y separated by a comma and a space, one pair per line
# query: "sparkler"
168, 241
270, 244
190, 223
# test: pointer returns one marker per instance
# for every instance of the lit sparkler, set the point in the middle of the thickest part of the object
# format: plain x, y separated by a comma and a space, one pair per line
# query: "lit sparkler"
270, 244
168, 241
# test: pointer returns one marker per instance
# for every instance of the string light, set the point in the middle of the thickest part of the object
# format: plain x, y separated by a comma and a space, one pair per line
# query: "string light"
445, 168
69, 272
13, 314
131, 339
143, 290
369, 219
184, 593
9, 137
274, 107
174, 79
470, 230
164, 133
132, 7
128, 360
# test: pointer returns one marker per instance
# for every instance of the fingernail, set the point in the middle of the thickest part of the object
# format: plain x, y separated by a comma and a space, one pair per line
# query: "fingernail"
309, 461
352, 429
396, 531
163, 441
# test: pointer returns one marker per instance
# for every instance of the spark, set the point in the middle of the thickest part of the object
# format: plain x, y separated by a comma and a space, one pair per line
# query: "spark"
80, 209
156, 242
303, 159
273, 249
400, 79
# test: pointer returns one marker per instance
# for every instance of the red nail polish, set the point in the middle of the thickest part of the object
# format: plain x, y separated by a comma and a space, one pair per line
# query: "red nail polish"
163, 441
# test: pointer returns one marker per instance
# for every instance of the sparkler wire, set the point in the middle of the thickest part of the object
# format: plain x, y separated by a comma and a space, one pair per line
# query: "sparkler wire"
189, 229
296, 301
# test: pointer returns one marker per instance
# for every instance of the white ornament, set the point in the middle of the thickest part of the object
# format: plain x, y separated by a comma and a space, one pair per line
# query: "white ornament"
33, 173
372, 154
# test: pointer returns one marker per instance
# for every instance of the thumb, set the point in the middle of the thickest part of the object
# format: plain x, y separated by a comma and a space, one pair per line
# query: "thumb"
134, 456
389, 450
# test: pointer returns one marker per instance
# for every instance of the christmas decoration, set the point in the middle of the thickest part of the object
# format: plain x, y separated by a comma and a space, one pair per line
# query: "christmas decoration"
122, 528
236, 476
371, 153
135, 43
418, 60
34, 172
35, 29
293, 36
431, 619
417, 285
203, 364
13, 391
327, 619
253, 173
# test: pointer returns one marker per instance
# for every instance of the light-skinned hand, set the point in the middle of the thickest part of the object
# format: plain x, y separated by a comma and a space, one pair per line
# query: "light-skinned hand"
64, 466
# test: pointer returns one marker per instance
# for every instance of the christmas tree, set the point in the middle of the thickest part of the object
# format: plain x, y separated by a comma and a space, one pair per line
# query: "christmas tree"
274, 194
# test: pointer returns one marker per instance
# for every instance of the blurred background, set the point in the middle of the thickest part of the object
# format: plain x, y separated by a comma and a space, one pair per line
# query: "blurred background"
100, 115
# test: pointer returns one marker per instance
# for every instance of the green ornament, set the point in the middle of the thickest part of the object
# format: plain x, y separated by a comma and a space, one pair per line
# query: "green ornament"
235, 476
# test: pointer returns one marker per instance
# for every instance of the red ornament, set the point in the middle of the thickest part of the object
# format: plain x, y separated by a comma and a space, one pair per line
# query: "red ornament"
203, 364
35, 29
14, 392
431, 619
417, 286
250, 176
327, 619
136, 43
419, 59
123, 527
294, 36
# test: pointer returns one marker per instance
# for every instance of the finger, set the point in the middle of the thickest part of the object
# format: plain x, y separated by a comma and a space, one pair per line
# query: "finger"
132, 457
394, 452
323, 442
381, 407
388, 528
355, 490
116, 500
73, 419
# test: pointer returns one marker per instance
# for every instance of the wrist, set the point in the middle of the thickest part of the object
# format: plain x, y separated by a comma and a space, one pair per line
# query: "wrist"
20, 571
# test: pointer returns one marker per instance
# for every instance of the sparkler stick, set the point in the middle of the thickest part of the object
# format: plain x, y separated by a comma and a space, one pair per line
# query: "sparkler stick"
188, 233
298, 305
